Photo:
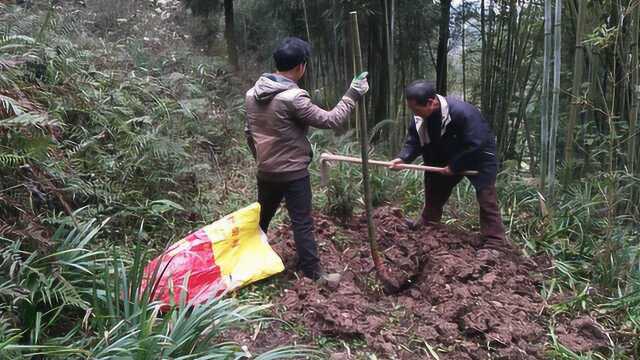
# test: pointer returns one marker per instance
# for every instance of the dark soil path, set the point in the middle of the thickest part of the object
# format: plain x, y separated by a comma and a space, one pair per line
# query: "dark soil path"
469, 302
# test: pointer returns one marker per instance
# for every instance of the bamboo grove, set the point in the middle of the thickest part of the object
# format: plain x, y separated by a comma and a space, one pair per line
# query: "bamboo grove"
558, 79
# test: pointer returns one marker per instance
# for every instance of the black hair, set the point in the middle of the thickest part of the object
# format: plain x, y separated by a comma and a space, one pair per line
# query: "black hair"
420, 91
291, 52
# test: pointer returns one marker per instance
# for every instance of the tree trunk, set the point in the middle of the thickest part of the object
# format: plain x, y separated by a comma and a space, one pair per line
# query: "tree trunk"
544, 101
578, 73
229, 34
443, 47
377, 66
634, 162
483, 56
555, 106
464, 68
389, 57
308, 80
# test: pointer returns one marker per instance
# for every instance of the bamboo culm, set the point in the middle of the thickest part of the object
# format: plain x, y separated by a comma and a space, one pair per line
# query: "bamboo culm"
578, 72
544, 103
364, 145
555, 106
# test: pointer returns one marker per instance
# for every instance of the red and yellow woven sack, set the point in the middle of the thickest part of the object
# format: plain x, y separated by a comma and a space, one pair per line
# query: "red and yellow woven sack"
223, 256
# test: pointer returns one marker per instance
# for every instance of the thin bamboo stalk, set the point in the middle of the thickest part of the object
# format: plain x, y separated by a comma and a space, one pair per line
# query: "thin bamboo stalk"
483, 57
634, 118
635, 108
544, 103
388, 13
464, 64
555, 106
357, 114
306, 20
578, 72
443, 47
310, 70
364, 147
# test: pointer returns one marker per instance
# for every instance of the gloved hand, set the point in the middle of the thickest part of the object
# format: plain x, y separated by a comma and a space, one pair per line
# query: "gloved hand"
360, 83
395, 163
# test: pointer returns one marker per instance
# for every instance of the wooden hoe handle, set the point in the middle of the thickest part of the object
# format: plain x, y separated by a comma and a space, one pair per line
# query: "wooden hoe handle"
325, 157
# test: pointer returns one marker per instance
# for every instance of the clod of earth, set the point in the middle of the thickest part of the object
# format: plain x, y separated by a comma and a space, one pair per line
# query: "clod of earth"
466, 301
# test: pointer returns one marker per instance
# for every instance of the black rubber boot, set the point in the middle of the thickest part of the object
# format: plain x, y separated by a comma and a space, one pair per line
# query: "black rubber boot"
414, 224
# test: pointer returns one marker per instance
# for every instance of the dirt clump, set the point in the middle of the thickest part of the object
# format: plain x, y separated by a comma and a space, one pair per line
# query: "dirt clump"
466, 302
582, 334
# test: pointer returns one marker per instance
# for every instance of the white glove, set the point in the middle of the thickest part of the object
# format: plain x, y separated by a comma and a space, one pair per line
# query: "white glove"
360, 83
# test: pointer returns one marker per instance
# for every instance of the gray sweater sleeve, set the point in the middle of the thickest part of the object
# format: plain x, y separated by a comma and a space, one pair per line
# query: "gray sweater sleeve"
310, 114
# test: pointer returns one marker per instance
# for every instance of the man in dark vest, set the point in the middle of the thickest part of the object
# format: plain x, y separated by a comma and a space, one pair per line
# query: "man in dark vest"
453, 134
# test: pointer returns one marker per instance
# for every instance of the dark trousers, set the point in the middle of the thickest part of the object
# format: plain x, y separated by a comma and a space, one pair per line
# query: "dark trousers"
438, 189
297, 197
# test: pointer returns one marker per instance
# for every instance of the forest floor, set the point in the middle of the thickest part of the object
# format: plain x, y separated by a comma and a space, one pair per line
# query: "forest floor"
469, 302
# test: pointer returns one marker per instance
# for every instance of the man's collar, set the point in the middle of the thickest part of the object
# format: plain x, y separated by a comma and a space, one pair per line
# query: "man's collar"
445, 120
444, 112
281, 78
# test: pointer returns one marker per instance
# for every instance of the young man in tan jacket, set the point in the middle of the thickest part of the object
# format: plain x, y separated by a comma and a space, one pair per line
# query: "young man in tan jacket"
279, 115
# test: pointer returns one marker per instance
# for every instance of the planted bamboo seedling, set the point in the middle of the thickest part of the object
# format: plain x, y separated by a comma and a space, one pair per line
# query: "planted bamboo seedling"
390, 283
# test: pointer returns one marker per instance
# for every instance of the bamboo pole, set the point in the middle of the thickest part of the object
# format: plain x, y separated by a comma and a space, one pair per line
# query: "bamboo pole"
483, 57
464, 64
578, 72
634, 118
355, 73
364, 146
443, 40
544, 103
635, 85
555, 106
388, 34
310, 70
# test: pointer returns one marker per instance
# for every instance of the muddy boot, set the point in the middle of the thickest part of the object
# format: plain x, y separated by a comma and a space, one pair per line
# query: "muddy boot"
322, 278
414, 224
497, 244
331, 281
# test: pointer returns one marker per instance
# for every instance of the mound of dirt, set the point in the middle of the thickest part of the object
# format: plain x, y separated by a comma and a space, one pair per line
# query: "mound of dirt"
467, 302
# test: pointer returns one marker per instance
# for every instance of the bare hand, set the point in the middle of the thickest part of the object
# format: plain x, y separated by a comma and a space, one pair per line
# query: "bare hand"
395, 163
447, 171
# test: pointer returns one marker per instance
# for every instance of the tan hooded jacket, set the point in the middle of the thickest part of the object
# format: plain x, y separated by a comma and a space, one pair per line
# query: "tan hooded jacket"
279, 114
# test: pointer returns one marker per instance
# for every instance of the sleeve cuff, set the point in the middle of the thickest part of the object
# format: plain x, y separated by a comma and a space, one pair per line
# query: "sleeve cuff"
455, 167
407, 158
353, 95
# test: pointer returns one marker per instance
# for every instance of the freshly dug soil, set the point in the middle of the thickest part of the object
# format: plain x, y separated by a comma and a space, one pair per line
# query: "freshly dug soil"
467, 301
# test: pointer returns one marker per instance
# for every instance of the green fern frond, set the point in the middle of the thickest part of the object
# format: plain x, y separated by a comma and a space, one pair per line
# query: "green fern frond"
6, 81
12, 160
68, 25
28, 120
8, 43
9, 107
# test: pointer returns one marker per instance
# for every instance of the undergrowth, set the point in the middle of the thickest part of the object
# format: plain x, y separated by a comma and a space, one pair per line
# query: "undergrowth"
114, 143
